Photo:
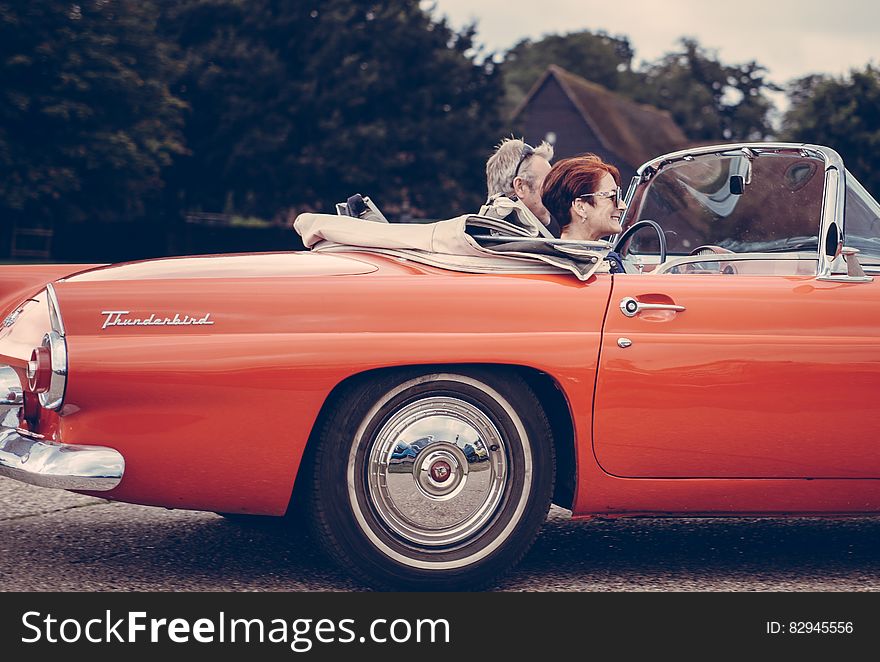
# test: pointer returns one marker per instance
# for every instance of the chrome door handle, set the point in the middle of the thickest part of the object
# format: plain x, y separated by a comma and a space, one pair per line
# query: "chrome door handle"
631, 307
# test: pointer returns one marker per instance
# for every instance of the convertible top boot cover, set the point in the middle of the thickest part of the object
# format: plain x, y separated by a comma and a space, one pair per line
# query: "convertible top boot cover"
470, 243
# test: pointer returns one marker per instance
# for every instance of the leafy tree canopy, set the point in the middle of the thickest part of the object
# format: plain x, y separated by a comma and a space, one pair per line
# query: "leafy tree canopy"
596, 56
708, 99
87, 121
843, 113
304, 103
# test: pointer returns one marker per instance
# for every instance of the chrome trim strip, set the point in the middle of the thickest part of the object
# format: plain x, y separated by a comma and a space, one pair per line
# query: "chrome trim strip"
631, 191
843, 278
64, 466
55, 311
832, 208
686, 154
54, 397
835, 183
11, 397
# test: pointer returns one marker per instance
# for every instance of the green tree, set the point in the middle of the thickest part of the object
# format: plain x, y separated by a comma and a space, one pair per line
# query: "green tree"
87, 122
801, 90
300, 104
596, 56
843, 113
708, 99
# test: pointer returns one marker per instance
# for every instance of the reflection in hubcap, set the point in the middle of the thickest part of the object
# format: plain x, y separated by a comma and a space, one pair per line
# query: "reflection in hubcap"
437, 471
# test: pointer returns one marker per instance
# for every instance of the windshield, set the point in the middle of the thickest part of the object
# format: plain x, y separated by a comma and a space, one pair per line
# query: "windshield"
862, 221
770, 201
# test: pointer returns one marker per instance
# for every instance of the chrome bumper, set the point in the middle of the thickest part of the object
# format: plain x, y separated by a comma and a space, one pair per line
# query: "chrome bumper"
11, 397
48, 463
65, 466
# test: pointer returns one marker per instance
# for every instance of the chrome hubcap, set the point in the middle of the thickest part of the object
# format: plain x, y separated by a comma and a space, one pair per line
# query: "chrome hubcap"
437, 471
441, 472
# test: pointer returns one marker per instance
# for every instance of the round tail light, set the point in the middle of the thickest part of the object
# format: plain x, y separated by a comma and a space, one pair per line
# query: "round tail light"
39, 370
47, 371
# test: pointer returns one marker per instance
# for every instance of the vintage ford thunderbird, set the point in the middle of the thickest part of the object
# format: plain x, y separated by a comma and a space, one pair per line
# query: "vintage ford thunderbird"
422, 393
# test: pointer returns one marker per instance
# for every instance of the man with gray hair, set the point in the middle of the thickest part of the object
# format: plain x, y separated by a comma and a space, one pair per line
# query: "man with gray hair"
516, 172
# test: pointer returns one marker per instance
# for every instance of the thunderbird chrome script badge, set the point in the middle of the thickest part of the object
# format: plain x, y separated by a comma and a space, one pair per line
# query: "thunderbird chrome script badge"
118, 318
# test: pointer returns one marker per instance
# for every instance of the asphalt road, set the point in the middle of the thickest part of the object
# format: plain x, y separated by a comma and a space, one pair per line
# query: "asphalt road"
57, 541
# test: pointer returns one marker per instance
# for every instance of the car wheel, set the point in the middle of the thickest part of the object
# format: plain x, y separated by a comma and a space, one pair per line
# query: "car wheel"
432, 481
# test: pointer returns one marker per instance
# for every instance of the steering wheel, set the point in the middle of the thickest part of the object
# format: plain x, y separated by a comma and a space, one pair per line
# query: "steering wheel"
635, 227
703, 267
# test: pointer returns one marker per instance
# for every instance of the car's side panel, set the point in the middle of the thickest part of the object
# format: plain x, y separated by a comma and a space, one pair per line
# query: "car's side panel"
759, 377
218, 420
602, 494
846, 315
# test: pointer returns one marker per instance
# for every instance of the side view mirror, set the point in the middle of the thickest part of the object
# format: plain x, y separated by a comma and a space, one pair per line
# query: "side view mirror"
843, 260
833, 242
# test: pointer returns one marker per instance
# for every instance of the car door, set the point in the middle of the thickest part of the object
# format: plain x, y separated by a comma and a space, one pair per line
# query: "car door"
739, 376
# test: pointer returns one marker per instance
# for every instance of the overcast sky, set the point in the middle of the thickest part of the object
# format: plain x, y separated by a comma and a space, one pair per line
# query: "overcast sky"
791, 38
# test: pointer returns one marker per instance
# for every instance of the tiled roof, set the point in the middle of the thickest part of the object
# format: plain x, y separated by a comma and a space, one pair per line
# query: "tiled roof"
636, 132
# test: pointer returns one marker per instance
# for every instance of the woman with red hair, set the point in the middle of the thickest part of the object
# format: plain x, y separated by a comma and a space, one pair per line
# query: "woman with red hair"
583, 195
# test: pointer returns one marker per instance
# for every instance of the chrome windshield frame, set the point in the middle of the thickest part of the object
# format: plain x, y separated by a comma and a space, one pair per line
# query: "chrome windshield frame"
833, 200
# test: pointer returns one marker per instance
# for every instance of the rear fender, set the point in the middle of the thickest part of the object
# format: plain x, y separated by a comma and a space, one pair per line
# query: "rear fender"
19, 281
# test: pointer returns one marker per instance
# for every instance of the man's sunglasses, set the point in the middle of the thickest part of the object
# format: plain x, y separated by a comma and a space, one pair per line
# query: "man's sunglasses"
527, 151
616, 195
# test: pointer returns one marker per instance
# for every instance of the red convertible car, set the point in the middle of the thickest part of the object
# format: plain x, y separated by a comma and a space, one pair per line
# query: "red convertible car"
421, 394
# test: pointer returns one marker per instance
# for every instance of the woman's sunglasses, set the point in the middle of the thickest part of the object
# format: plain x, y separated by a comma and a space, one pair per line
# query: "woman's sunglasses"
615, 195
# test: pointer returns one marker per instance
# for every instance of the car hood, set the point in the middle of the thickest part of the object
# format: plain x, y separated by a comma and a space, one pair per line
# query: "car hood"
236, 267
